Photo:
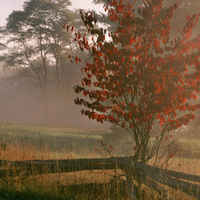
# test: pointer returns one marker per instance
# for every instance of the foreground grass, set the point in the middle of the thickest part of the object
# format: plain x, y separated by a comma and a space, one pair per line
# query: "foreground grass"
96, 184
8, 192
77, 185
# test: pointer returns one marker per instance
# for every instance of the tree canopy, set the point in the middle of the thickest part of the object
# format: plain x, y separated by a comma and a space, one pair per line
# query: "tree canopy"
139, 78
141, 74
38, 49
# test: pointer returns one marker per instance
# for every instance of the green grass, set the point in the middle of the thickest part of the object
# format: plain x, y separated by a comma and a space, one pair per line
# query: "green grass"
32, 131
76, 139
56, 138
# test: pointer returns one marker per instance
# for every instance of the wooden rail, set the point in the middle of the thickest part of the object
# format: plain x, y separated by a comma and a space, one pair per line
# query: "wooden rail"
148, 175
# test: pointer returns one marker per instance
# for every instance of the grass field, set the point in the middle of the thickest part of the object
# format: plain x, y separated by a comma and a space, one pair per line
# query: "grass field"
37, 142
57, 139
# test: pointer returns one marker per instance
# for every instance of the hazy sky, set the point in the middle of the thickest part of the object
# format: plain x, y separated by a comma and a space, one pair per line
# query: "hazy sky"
7, 6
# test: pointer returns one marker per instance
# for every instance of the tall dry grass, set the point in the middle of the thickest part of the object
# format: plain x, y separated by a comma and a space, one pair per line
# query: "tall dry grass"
97, 184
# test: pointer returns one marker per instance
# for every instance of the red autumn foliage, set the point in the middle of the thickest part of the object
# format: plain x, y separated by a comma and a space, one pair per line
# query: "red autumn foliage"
141, 76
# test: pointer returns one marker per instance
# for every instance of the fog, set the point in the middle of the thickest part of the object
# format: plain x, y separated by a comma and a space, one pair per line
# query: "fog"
18, 104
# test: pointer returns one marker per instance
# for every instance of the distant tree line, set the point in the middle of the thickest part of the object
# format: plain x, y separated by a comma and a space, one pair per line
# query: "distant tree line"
36, 50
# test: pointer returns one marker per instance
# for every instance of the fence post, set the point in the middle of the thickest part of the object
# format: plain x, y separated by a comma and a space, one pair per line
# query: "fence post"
130, 187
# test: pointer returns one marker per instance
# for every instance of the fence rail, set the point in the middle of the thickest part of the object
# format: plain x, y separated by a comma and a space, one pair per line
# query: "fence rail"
148, 175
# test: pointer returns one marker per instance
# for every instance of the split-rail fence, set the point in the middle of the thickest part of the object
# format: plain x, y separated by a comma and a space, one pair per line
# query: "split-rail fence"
147, 174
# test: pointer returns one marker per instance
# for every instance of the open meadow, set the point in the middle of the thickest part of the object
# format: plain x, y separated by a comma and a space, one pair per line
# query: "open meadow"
26, 142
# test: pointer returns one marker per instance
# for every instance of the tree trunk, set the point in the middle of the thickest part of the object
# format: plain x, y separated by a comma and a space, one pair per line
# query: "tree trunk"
46, 111
58, 107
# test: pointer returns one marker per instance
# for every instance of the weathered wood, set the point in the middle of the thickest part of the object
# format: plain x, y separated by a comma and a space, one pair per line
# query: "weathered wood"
57, 166
164, 176
156, 170
153, 184
130, 187
149, 175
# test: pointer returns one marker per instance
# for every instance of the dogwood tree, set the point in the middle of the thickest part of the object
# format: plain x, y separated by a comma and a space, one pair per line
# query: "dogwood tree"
141, 72
139, 78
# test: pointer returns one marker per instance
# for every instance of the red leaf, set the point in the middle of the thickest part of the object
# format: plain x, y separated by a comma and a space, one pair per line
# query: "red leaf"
120, 7
176, 6
184, 100
76, 59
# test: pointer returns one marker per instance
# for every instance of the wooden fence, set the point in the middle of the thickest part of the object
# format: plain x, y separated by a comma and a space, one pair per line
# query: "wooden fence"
148, 175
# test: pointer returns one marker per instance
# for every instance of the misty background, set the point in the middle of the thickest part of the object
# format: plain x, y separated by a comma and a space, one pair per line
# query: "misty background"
21, 100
